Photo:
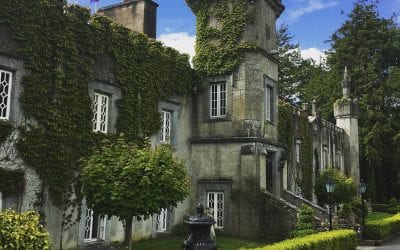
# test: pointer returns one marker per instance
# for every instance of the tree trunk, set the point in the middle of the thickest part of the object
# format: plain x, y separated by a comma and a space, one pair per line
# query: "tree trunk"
128, 232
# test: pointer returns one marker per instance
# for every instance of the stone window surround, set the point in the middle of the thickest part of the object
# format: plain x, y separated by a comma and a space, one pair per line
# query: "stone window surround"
228, 79
204, 186
220, 109
113, 93
174, 109
272, 85
97, 123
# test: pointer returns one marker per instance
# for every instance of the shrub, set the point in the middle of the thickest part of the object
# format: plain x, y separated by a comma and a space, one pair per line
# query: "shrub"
334, 240
345, 189
22, 231
356, 206
393, 206
5, 130
380, 229
180, 229
305, 222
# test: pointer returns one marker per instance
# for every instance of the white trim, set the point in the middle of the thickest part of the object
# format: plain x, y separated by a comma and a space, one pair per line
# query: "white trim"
161, 225
215, 203
269, 95
166, 126
217, 99
100, 112
8, 95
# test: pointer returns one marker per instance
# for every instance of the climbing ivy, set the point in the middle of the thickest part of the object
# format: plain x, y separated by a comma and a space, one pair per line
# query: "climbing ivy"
306, 162
5, 130
60, 45
220, 26
286, 132
12, 182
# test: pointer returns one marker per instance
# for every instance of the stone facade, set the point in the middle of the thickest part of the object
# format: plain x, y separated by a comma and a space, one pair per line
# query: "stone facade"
222, 147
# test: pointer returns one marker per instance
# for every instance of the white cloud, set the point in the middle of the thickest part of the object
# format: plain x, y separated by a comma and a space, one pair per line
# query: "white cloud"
311, 6
313, 53
182, 42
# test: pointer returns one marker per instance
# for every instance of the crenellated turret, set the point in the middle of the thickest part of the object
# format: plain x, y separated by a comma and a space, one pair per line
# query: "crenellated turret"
346, 111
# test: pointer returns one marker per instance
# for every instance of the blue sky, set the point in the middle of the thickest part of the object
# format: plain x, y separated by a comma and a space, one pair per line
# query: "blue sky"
310, 21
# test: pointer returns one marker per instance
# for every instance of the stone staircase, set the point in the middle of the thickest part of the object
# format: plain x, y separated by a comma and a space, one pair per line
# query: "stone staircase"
321, 214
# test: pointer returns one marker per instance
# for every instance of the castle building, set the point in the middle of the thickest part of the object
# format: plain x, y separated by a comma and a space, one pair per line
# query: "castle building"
226, 130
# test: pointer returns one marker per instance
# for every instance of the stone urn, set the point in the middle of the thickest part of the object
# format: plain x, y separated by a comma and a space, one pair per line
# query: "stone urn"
199, 226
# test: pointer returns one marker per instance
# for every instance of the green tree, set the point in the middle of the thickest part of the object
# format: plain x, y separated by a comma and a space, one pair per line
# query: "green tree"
368, 45
129, 180
345, 189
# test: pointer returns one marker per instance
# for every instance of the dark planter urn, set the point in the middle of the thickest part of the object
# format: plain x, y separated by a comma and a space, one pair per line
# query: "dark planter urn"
199, 226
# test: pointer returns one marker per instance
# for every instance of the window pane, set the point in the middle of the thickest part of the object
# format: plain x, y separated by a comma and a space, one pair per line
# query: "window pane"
100, 113
5, 89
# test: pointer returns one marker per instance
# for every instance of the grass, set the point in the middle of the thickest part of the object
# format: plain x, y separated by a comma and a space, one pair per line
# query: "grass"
377, 216
173, 243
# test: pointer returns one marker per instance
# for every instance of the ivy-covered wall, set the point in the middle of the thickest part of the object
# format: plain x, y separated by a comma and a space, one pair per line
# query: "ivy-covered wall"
219, 29
60, 45
299, 173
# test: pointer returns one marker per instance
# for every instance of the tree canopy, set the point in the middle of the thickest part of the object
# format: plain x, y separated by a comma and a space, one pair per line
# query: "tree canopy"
369, 46
128, 180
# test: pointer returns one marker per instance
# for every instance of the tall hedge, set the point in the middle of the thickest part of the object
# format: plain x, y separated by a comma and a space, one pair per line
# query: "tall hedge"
22, 231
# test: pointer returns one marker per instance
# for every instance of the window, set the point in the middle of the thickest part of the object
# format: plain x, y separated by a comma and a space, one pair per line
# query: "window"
100, 113
215, 204
339, 163
161, 225
166, 126
269, 103
217, 99
5, 93
325, 157
298, 147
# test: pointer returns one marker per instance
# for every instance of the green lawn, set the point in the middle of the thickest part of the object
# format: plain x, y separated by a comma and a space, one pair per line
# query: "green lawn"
377, 216
174, 243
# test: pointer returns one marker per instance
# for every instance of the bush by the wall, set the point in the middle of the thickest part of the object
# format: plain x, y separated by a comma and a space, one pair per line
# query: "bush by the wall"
333, 240
22, 231
393, 206
380, 229
305, 224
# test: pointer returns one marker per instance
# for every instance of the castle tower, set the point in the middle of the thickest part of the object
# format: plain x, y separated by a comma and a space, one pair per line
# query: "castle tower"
234, 135
136, 15
346, 111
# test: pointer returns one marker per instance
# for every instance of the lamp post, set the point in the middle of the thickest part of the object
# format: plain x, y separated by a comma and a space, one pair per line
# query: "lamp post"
362, 189
330, 187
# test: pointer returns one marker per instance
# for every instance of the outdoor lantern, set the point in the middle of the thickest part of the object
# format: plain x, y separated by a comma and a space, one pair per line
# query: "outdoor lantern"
362, 188
330, 186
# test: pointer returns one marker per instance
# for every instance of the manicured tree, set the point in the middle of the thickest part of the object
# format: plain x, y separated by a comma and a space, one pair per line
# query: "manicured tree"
305, 224
127, 180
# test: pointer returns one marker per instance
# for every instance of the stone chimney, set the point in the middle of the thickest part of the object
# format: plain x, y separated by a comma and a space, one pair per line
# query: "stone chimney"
136, 15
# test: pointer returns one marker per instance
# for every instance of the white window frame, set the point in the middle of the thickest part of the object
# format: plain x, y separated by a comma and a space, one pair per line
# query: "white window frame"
269, 103
100, 112
88, 230
161, 225
218, 100
298, 152
216, 208
8, 95
165, 136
